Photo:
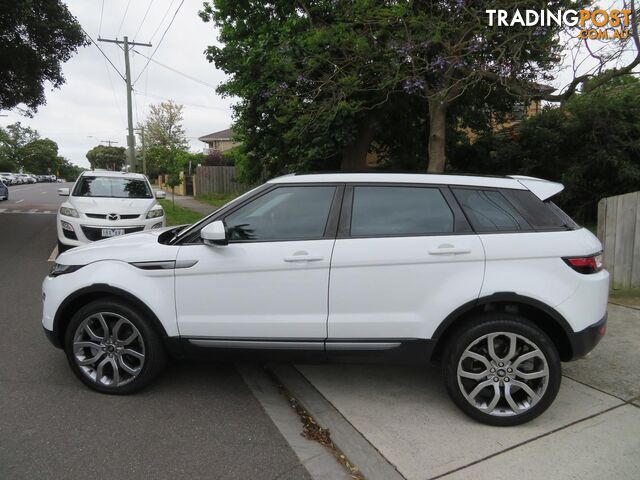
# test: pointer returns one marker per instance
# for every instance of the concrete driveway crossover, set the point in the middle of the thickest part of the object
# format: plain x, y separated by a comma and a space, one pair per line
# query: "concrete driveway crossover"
591, 431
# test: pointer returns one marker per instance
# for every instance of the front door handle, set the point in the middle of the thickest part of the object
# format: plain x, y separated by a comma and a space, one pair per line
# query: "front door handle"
303, 256
448, 249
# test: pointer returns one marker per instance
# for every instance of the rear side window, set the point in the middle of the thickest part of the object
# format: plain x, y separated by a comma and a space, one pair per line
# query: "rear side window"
395, 211
489, 211
540, 215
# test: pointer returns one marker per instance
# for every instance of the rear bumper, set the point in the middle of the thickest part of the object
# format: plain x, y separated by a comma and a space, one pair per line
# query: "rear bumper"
584, 341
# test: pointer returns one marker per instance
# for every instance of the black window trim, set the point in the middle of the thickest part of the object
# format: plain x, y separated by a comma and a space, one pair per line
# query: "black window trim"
331, 225
461, 225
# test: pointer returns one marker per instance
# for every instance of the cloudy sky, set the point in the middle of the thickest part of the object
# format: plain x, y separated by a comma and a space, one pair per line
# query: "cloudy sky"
91, 106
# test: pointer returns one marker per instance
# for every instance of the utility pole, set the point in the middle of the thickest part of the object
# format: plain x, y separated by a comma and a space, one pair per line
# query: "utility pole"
108, 142
131, 140
144, 153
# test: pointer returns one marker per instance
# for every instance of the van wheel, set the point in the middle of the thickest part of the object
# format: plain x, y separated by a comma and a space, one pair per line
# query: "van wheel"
501, 369
112, 348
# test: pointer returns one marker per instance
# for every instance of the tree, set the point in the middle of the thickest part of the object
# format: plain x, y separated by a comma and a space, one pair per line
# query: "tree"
68, 170
40, 156
37, 37
13, 139
591, 144
317, 80
107, 157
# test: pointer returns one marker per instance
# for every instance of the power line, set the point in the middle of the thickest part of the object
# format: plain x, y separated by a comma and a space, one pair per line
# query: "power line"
174, 70
180, 101
123, 17
161, 21
160, 41
143, 19
101, 14
103, 54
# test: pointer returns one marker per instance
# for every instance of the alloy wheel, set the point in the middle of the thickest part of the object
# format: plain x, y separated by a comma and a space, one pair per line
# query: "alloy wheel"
108, 349
503, 374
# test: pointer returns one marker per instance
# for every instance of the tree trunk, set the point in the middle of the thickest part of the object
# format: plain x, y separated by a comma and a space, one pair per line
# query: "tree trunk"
437, 128
354, 156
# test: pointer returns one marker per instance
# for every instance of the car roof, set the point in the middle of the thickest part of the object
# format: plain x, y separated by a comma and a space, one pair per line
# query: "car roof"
463, 180
109, 173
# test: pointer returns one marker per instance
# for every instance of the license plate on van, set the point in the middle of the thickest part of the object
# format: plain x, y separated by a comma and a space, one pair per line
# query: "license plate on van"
112, 232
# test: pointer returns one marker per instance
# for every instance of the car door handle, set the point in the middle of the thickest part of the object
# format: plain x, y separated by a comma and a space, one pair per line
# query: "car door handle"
448, 249
303, 257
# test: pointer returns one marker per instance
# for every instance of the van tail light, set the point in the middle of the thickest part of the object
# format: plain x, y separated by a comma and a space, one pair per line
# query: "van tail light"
586, 265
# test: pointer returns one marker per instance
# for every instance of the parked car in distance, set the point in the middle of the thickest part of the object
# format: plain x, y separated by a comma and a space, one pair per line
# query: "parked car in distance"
4, 190
7, 178
486, 276
103, 204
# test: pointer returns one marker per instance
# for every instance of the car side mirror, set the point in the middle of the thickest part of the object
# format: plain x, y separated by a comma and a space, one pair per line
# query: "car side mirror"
214, 234
161, 194
63, 192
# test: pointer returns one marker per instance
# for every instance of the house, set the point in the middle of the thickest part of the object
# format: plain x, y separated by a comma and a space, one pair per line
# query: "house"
219, 141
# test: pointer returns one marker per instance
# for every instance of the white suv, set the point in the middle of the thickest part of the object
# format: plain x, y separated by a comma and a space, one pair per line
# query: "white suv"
485, 275
105, 204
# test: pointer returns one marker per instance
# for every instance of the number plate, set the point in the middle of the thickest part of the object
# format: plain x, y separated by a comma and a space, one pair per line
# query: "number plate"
112, 232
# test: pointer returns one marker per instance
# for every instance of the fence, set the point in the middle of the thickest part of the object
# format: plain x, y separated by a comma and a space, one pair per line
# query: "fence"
218, 180
619, 232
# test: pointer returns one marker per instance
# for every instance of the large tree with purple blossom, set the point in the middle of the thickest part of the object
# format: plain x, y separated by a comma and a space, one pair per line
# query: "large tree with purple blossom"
319, 80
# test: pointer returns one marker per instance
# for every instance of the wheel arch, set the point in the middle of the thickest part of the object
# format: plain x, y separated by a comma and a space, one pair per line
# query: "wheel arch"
542, 315
76, 300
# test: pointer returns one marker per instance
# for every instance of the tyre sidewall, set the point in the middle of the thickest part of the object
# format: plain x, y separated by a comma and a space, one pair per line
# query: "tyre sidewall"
154, 349
490, 323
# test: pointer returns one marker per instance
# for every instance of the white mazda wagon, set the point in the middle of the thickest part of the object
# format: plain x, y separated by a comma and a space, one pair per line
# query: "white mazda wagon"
104, 204
486, 276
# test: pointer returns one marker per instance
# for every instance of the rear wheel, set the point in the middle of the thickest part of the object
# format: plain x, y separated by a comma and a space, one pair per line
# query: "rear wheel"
502, 370
112, 348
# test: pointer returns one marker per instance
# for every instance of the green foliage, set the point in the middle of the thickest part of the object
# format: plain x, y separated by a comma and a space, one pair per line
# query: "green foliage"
37, 37
216, 199
186, 160
40, 156
591, 145
107, 157
13, 139
320, 81
67, 170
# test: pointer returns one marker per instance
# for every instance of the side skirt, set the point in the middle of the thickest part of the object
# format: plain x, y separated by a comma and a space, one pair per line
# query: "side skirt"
397, 351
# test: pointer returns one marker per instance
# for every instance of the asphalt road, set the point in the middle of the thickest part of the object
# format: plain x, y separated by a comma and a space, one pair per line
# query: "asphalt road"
198, 421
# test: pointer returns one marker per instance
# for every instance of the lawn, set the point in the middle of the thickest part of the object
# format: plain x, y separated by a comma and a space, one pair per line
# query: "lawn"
216, 199
177, 215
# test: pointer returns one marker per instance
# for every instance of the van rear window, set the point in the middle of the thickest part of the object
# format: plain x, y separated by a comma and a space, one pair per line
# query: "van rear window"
540, 215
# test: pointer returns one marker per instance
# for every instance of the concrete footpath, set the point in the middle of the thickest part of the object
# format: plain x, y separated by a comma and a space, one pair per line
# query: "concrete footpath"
403, 417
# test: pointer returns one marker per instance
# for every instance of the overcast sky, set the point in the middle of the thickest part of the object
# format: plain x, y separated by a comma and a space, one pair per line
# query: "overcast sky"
91, 106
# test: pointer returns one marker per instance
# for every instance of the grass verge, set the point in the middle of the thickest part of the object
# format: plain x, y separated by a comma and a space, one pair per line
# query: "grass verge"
216, 199
177, 215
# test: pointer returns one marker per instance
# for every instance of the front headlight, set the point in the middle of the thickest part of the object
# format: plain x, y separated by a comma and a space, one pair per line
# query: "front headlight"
69, 212
59, 269
155, 212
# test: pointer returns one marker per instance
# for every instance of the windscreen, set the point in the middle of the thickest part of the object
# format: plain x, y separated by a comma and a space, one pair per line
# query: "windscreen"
112, 187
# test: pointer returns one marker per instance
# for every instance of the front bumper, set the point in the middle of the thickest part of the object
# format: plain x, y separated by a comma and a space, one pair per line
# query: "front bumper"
55, 341
87, 230
584, 341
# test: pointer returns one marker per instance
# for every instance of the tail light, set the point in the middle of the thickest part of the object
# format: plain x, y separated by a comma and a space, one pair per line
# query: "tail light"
586, 265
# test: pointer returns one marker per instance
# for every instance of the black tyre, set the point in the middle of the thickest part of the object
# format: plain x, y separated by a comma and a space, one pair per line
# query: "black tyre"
502, 370
112, 348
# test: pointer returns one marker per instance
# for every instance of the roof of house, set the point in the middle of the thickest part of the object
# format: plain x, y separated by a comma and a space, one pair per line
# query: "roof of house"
221, 135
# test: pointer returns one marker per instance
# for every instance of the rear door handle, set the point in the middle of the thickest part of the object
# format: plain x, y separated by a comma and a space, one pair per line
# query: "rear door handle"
303, 257
448, 249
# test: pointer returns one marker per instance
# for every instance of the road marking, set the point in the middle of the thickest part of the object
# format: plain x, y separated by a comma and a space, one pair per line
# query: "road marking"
42, 193
3, 210
20, 201
33, 210
54, 255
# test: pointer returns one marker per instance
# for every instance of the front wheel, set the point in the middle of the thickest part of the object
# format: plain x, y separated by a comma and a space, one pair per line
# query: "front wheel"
112, 348
502, 370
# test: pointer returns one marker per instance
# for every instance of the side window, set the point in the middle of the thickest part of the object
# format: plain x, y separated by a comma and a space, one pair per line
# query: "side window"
489, 211
399, 211
541, 215
286, 213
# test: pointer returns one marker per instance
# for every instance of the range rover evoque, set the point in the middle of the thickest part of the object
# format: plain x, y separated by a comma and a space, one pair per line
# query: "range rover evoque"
485, 275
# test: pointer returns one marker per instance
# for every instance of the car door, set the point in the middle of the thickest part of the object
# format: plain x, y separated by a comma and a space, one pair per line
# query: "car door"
404, 259
271, 281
